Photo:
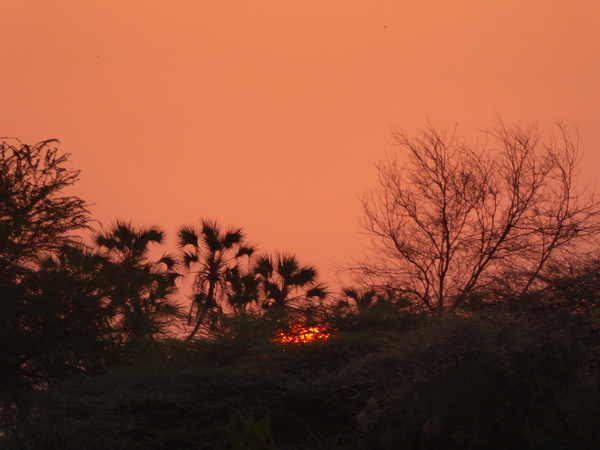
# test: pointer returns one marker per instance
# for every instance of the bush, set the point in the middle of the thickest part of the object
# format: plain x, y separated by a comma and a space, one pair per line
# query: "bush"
454, 382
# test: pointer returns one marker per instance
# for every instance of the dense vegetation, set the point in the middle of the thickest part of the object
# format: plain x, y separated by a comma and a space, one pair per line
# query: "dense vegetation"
96, 353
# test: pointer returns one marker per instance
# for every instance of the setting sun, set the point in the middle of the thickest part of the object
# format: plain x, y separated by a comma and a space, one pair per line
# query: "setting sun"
302, 334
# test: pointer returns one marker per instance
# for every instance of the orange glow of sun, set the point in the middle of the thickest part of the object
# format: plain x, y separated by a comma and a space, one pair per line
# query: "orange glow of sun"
302, 334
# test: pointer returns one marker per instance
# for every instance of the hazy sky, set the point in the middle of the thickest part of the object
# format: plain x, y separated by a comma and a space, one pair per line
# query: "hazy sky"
269, 114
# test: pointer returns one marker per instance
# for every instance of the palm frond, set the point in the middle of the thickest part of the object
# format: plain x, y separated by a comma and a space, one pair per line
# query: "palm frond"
189, 258
211, 234
366, 299
303, 276
319, 291
172, 277
122, 232
199, 299
245, 250
287, 266
232, 236
104, 240
186, 235
169, 261
263, 266
352, 293
152, 234
272, 290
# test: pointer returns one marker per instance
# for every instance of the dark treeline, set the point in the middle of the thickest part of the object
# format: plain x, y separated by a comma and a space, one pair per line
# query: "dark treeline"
474, 324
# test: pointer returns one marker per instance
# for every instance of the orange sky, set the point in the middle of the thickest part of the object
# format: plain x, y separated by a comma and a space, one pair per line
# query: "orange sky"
269, 114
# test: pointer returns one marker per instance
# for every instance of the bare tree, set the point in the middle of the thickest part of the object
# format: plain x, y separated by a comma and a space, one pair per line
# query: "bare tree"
456, 215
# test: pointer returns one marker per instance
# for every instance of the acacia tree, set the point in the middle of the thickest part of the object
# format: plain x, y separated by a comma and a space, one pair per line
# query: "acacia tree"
456, 215
210, 254
35, 218
35, 215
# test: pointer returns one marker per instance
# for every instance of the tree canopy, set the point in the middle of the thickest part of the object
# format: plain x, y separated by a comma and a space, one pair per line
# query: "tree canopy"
35, 214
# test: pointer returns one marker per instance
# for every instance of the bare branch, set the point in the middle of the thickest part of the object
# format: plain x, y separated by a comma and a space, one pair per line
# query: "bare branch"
455, 215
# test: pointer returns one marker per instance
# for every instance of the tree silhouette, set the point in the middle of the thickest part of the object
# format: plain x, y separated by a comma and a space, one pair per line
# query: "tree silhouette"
210, 253
455, 215
72, 321
242, 289
58, 324
141, 288
34, 214
283, 281
362, 300
35, 218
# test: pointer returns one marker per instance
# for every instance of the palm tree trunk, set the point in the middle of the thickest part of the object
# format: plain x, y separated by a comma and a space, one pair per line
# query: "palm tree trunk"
199, 320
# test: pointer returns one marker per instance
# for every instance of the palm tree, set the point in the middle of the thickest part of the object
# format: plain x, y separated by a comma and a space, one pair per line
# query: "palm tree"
242, 289
363, 300
210, 254
141, 287
283, 280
